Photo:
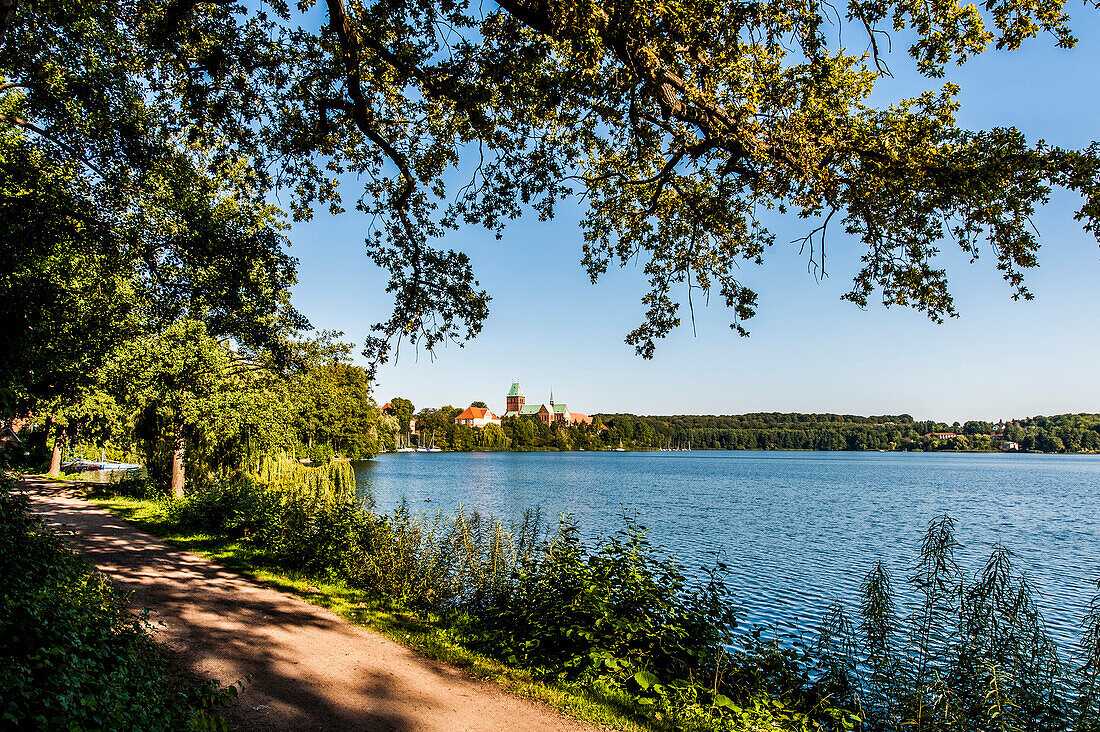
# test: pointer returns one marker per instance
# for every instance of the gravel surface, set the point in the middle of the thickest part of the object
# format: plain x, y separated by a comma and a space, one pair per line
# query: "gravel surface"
310, 669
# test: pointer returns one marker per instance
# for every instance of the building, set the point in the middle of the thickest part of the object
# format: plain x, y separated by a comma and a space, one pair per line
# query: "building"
516, 406
477, 417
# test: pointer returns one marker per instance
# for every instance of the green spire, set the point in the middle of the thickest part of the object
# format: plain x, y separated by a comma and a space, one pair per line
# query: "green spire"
515, 390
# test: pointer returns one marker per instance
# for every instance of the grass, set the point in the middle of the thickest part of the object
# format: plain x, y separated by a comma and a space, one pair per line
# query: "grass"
427, 633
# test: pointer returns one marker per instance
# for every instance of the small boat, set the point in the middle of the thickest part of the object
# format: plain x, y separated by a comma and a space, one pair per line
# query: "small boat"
84, 466
620, 448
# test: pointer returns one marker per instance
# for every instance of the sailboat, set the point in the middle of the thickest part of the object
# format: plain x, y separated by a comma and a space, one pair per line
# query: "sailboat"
431, 444
620, 448
404, 445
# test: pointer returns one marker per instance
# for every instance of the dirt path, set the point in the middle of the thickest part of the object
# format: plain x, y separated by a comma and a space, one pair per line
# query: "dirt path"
310, 669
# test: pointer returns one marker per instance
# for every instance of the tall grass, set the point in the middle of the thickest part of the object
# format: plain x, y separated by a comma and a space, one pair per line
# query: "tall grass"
444, 562
971, 653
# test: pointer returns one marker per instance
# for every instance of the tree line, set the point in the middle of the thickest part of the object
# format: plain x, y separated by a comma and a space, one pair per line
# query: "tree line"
777, 431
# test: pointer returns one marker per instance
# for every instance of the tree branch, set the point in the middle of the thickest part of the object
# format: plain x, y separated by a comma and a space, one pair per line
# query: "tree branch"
20, 122
350, 42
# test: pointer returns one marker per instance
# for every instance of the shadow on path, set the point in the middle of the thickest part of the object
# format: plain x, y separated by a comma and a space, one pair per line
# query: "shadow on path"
309, 669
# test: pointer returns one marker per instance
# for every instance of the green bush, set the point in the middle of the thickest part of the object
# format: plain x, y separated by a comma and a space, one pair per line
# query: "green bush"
71, 654
572, 607
313, 533
234, 510
622, 614
132, 484
311, 527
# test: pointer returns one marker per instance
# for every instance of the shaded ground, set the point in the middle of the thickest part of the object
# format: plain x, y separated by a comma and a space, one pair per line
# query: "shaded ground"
310, 669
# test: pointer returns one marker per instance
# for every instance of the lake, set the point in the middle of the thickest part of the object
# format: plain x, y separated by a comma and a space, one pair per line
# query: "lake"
798, 529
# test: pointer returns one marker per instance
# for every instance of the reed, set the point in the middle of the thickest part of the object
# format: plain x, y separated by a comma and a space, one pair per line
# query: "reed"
445, 562
973, 652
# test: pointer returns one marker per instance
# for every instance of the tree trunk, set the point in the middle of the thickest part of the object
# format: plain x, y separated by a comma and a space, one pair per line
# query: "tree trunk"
55, 459
179, 450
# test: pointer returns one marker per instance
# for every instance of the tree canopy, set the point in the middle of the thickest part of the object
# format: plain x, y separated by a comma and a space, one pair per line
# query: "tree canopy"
680, 123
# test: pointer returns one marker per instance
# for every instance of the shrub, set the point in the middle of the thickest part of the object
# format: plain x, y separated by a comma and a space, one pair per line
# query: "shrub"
573, 608
311, 532
300, 518
233, 510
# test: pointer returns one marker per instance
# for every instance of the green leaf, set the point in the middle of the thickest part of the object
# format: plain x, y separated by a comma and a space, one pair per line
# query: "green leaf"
723, 701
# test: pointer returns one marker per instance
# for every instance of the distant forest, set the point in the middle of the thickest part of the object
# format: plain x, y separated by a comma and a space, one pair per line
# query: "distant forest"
777, 431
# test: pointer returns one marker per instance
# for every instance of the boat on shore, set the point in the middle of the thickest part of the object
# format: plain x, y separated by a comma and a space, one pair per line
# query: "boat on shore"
430, 447
85, 466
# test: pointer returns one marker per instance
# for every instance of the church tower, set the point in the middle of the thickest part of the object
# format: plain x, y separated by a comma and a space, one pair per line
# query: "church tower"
515, 399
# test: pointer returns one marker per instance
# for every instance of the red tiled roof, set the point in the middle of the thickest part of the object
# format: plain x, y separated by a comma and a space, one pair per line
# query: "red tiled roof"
476, 413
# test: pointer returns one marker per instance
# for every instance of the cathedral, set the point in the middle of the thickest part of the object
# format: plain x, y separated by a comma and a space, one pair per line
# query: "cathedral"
517, 406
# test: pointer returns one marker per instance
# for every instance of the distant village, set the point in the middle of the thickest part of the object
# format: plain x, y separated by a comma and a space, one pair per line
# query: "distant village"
515, 407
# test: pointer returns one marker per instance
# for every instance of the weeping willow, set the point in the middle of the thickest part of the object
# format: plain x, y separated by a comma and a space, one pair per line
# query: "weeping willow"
282, 473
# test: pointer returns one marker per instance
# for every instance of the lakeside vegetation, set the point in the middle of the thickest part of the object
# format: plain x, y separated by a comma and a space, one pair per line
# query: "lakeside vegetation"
72, 655
611, 629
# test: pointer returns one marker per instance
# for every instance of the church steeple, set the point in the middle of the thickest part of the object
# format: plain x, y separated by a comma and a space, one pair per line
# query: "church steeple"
551, 396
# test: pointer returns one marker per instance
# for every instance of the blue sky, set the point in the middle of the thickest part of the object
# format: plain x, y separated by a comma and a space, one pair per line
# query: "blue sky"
808, 351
